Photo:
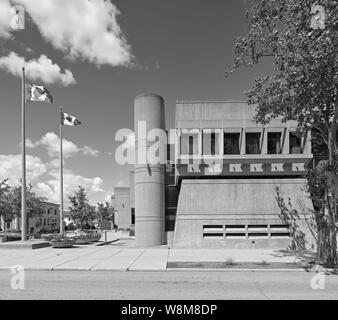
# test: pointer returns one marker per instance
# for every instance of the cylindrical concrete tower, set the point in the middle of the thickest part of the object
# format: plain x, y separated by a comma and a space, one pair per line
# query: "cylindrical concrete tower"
149, 178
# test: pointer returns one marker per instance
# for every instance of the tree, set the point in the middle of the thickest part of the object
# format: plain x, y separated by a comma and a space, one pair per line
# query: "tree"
105, 212
303, 87
5, 208
81, 211
34, 203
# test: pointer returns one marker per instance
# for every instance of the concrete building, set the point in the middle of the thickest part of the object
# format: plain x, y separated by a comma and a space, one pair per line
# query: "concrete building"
219, 185
121, 204
50, 220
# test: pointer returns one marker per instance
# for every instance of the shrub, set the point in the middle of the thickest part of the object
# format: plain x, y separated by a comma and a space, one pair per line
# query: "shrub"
229, 261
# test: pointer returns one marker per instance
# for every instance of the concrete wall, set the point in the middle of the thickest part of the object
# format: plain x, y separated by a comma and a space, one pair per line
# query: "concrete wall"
230, 117
229, 202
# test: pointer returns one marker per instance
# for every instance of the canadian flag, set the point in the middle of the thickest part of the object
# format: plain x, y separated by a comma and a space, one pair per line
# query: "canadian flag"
38, 93
69, 120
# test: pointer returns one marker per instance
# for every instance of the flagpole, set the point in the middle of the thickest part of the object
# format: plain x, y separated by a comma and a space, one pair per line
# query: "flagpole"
23, 154
61, 175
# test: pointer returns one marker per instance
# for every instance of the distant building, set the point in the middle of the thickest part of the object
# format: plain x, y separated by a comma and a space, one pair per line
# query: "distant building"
50, 220
123, 202
218, 188
67, 218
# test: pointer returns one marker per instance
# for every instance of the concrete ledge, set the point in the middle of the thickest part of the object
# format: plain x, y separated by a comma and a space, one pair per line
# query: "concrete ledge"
29, 244
238, 265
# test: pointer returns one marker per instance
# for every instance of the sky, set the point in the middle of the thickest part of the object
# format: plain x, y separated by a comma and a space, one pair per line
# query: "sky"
95, 57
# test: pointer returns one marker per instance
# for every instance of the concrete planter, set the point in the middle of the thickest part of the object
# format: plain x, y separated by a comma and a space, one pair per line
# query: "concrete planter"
67, 243
82, 240
95, 237
10, 237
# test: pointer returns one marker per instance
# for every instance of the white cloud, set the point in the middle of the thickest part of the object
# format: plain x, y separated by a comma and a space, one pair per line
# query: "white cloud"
5, 19
82, 29
45, 190
89, 151
52, 143
53, 164
42, 69
51, 188
10, 167
29, 144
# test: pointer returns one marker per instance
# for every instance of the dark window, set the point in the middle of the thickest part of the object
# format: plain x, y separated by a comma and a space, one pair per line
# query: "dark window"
170, 153
253, 143
210, 144
212, 235
231, 143
132, 215
274, 143
295, 143
213, 143
189, 144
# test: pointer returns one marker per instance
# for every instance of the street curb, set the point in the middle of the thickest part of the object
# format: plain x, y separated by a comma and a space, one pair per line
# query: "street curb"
236, 270
26, 269
165, 270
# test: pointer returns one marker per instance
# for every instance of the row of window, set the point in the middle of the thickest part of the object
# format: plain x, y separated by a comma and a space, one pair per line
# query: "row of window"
231, 142
46, 222
236, 231
51, 211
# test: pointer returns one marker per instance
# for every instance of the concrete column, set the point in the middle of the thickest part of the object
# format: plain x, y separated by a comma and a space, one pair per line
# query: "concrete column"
286, 146
306, 143
200, 142
149, 178
221, 142
242, 146
264, 141
177, 153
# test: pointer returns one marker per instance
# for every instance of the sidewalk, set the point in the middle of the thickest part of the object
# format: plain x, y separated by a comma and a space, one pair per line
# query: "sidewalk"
115, 258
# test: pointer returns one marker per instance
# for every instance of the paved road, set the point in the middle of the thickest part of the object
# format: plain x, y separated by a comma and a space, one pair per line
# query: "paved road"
167, 285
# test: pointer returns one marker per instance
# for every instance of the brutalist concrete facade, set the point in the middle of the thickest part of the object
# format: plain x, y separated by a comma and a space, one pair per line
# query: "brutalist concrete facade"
219, 186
